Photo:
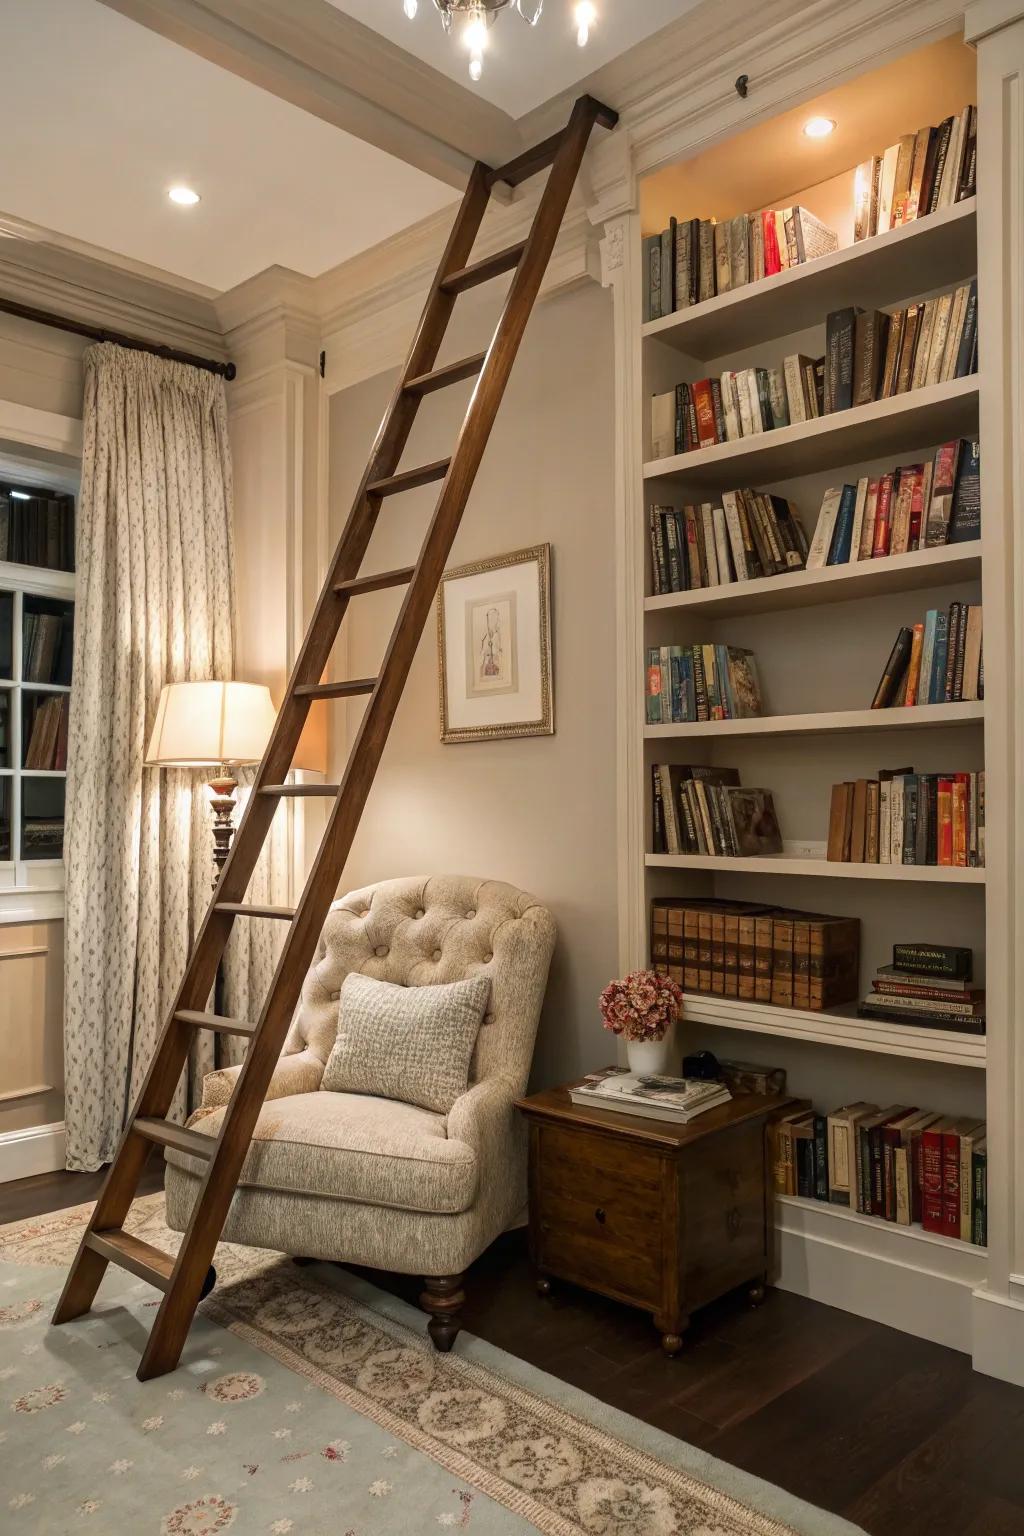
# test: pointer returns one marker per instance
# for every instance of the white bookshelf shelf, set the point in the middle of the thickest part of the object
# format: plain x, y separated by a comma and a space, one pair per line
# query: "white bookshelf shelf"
921, 416
827, 1214
841, 1028
920, 717
806, 864
833, 584
882, 270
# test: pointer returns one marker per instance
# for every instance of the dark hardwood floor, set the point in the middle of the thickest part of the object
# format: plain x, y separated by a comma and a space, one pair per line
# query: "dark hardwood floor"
899, 1436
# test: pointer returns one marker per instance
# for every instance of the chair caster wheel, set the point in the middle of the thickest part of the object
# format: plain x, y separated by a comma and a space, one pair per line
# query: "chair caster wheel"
208, 1283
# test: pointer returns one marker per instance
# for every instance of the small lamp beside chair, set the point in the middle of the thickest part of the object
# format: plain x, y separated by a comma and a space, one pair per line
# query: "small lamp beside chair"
213, 725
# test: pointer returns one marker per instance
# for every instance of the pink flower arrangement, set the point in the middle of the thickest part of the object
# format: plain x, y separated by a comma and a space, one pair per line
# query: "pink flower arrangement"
641, 1006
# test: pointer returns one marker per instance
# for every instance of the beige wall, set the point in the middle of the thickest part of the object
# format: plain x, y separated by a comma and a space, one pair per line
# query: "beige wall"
538, 812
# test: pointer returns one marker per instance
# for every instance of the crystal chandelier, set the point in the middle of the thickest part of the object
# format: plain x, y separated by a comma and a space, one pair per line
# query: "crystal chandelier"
475, 17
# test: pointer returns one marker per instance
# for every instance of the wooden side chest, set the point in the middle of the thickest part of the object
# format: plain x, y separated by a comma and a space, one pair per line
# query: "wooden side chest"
665, 1218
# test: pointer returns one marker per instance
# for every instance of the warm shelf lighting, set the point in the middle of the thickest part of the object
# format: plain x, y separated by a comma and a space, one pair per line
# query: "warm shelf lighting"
819, 127
183, 196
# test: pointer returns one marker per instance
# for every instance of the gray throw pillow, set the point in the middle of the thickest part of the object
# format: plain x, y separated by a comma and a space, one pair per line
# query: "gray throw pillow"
413, 1044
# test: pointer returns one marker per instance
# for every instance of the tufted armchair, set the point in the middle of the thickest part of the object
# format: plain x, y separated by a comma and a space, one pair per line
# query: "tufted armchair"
371, 1181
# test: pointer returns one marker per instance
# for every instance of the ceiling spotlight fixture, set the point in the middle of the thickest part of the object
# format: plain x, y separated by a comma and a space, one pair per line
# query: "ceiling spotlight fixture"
184, 196
475, 17
819, 127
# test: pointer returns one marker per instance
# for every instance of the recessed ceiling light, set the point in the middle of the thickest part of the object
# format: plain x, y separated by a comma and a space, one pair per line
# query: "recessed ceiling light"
183, 195
819, 127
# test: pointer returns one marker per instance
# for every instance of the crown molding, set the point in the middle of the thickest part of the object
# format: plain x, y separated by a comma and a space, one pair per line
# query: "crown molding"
49, 271
983, 17
313, 55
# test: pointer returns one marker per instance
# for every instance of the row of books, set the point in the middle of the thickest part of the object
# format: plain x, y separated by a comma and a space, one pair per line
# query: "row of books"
696, 259
46, 648
906, 1165
914, 506
751, 534
701, 682
906, 995
48, 734
869, 355
919, 174
904, 817
42, 837
756, 953
702, 810
37, 528
939, 661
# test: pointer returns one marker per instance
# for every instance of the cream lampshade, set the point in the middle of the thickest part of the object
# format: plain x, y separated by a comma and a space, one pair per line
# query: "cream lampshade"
210, 724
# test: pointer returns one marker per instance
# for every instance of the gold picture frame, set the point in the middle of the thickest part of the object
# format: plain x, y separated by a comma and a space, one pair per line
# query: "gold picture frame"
495, 676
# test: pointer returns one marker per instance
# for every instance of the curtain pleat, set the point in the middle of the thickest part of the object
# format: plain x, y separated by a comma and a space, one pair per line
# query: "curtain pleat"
155, 604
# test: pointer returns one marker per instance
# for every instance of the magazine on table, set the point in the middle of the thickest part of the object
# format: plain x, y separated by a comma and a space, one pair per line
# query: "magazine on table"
678, 1099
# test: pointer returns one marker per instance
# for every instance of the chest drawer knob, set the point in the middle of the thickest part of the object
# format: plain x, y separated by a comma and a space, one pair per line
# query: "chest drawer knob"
599, 1215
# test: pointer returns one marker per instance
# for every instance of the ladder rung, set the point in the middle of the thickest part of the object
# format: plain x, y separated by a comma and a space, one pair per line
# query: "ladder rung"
349, 690
242, 909
216, 1021
376, 583
166, 1134
301, 791
454, 373
409, 479
529, 162
131, 1253
483, 271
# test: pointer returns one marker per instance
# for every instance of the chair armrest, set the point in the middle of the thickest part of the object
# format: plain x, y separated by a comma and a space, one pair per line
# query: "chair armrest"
482, 1112
299, 1073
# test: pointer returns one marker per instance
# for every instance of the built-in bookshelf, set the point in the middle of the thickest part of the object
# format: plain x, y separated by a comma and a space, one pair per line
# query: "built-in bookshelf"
821, 638
37, 609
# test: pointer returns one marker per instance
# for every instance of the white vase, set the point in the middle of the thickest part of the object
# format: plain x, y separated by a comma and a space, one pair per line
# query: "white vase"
649, 1058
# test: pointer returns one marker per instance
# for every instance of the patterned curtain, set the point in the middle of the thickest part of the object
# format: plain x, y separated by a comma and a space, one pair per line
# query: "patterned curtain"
155, 604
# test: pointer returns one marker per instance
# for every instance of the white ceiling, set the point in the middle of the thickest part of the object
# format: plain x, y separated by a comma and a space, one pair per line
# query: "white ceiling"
524, 66
103, 115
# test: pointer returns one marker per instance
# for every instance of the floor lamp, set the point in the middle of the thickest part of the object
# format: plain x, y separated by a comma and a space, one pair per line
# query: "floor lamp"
219, 726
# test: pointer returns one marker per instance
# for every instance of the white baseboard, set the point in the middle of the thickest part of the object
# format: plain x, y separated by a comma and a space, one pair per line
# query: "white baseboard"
998, 1337
900, 1276
39, 1149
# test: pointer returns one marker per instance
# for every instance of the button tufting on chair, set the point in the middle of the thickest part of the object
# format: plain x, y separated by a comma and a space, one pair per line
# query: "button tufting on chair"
380, 951
470, 914
436, 954
421, 913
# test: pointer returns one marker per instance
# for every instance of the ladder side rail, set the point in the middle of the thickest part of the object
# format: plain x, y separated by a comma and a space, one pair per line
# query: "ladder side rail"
218, 1185
171, 1051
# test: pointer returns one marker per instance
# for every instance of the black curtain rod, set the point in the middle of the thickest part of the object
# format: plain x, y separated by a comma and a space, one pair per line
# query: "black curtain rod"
135, 343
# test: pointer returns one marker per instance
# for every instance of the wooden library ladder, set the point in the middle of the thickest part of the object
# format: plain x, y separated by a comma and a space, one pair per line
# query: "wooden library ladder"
185, 1279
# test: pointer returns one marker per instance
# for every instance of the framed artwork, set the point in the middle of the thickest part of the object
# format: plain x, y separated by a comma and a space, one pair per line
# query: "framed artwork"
494, 648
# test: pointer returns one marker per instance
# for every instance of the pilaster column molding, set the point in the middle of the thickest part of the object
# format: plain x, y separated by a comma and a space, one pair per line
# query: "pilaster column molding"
788, 59
620, 259
997, 28
275, 417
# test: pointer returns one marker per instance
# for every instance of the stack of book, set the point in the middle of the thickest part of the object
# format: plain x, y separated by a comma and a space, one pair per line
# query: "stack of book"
904, 817
939, 661
756, 953
905, 1165
702, 810
37, 528
923, 172
676, 1099
48, 734
929, 986
46, 648
869, 355
752, 533
695, 259
915, 506
701, 682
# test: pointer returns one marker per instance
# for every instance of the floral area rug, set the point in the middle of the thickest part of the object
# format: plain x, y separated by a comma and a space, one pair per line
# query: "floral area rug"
308, 1402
